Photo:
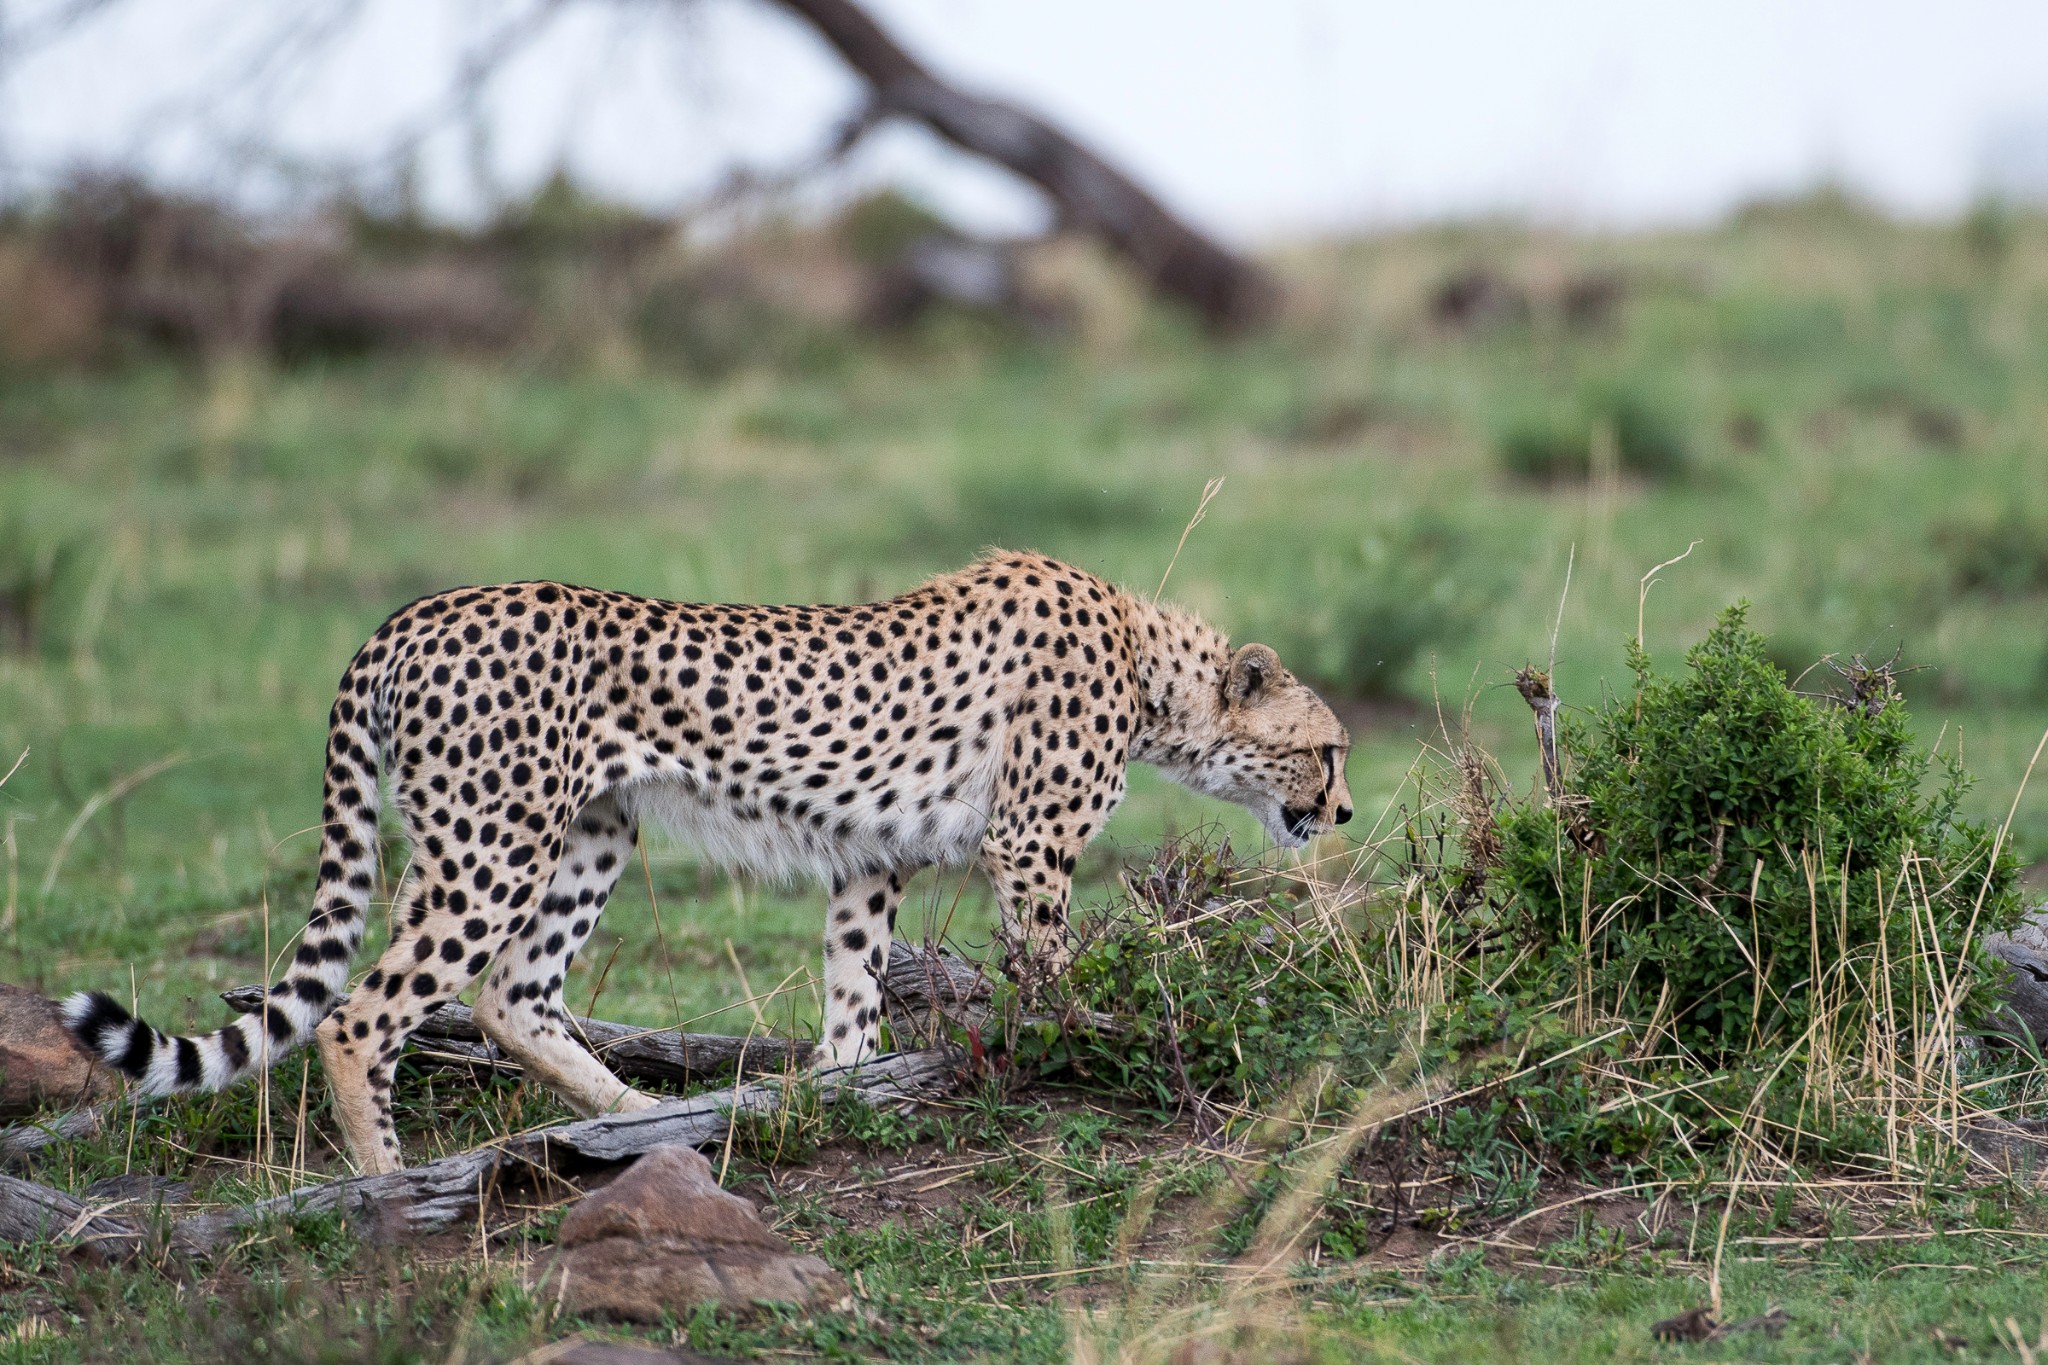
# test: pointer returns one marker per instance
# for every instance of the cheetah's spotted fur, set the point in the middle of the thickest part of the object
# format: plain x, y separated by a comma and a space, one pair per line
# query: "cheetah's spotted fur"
526, 731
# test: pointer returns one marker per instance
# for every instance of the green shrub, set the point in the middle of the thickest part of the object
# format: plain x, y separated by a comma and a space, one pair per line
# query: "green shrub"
1221, 994
38, 568
2000, 552
1743, 845
1554, 442
713, 322
878, 228
1380, 604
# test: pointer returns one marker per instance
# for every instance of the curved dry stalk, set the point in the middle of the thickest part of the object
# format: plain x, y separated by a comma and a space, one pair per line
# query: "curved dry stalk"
106, 796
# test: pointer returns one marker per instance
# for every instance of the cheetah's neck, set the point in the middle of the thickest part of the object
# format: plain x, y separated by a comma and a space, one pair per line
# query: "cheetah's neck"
1180, 662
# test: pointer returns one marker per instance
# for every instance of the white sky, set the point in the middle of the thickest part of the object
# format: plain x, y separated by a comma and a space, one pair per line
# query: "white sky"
1259, 118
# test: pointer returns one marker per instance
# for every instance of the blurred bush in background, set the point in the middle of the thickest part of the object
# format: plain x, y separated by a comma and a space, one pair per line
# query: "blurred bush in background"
1370, 608
1616, 423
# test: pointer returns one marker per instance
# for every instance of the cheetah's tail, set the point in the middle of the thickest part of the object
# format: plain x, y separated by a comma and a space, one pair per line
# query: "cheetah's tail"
161, 1064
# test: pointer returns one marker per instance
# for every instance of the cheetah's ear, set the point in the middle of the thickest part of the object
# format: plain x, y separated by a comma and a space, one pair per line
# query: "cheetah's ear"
1252, 670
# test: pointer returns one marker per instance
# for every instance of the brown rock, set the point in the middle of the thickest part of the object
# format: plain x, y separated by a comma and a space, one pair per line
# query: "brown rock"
642, 1281
39, 1064
669, 1193
664, 1238
630, 1353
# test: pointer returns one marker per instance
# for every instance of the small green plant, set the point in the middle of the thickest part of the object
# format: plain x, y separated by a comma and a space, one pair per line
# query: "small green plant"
714, 320
1226, 990
1403, 590
878, 228
2000, 552
791, 1131
1569, 439
36, 566
1744, 859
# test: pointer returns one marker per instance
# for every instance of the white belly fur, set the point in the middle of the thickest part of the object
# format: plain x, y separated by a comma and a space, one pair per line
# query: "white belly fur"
785, 848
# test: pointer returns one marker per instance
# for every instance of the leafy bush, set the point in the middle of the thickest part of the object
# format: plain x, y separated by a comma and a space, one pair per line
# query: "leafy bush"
1380, 604
718, 319
1218, 993
1755, 851
37, 567
1747, 932
1030, 503
1554, 442
878, 228
2000, 553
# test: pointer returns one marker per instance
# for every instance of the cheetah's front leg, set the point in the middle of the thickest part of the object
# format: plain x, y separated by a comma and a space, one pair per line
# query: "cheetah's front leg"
1033, 877
860, 919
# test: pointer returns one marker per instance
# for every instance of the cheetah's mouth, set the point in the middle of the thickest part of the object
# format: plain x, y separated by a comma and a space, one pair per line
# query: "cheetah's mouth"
1295, 827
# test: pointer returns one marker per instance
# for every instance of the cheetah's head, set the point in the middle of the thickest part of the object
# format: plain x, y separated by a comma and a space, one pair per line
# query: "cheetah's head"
1280, 750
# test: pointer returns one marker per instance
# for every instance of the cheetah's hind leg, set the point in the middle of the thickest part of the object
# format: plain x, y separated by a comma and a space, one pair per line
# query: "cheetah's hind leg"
521, 1006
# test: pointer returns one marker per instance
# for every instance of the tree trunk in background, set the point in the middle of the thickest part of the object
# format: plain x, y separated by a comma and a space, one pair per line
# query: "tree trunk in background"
1229, 292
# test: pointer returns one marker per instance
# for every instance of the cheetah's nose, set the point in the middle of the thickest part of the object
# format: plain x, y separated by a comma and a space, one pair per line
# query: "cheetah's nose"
1343, 815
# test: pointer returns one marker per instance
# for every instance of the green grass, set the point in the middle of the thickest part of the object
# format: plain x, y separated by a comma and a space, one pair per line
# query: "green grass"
988, 1278
1862, 408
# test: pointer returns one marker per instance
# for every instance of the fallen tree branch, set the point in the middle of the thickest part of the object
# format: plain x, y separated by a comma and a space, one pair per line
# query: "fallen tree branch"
917, 981
1534, 685
926, 990
453, 1189
21, 1140
30, 1212
1229, 292
451, 1034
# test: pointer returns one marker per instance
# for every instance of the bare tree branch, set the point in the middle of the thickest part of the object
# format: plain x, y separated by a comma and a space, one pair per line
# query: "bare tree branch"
1229, 292
451, 1190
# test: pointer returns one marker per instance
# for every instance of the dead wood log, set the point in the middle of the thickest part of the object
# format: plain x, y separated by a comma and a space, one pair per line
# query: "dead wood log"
927, 991
451, 1190
1227, 291
1534, 685
19, 1141
450, 1035
918, 982
30, 1212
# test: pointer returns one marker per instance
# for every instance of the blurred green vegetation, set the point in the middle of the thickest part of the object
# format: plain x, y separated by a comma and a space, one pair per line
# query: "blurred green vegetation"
1846, 415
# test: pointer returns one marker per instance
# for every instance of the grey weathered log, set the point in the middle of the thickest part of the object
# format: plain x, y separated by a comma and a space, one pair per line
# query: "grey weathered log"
30, 1212
441, 1193
451, 1034
918, 980
1229, 292
451, 1190
1535, 686
2017, 1148
2025, 951
22, 1140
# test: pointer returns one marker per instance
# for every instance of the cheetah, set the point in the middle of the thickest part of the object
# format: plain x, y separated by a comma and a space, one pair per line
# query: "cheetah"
527, 731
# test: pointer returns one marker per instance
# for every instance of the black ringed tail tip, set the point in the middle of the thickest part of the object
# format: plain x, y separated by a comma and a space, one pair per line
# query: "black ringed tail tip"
103, 1028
